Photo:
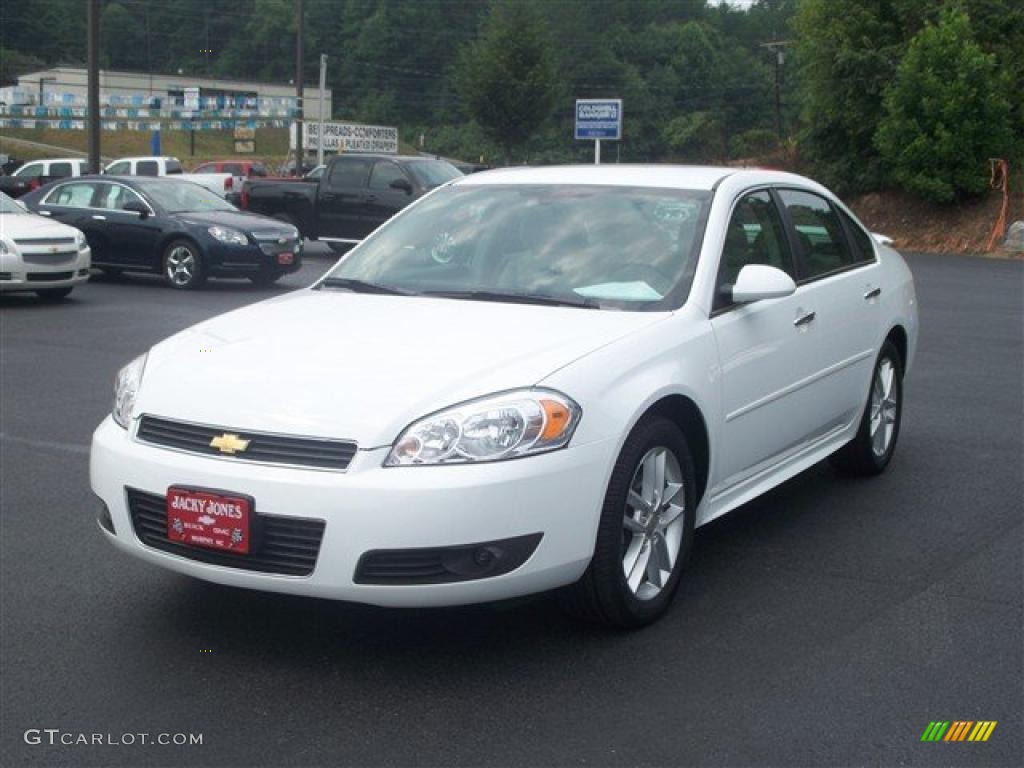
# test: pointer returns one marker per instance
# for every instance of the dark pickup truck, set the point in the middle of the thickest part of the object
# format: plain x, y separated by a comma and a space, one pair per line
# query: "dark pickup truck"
353, 196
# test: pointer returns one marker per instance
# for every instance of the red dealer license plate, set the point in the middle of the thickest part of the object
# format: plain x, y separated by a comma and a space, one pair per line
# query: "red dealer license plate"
209, 519
285, 258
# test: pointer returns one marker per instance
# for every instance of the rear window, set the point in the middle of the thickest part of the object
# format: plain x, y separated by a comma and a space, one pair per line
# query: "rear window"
147, 168
173, 167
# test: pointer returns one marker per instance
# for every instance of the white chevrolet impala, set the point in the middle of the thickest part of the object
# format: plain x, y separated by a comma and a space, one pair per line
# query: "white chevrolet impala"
530, 379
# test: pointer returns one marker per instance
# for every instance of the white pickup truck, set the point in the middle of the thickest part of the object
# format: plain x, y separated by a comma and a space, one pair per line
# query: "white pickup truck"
218, 183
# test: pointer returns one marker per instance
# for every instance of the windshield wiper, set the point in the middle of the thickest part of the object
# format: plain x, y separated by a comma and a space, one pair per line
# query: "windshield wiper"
517, 298
361, 286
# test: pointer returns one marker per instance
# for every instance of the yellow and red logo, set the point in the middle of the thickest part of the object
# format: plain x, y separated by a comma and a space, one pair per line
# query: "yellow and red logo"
958, 730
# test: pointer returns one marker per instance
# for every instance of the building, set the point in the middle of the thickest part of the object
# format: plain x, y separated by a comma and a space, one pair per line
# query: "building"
69, 86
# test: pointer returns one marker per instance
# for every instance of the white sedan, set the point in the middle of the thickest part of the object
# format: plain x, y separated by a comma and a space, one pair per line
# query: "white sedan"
530, 379
40, 255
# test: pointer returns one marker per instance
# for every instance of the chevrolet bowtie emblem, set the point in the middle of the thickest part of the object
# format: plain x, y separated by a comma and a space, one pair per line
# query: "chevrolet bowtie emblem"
228, 443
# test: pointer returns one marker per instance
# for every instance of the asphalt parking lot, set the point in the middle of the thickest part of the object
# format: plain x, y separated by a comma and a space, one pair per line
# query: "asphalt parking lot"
825, 624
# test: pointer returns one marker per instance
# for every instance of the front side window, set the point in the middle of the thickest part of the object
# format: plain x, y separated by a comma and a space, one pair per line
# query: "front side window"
119, 168
147, 168
115, 196
78, 195
755, 236
60, 170
206, 168
819, 232
611, 247
383, 174
29, 171
433, 173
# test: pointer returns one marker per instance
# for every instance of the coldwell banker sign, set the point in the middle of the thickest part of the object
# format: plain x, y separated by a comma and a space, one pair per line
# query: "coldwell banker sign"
349, 137
599, 119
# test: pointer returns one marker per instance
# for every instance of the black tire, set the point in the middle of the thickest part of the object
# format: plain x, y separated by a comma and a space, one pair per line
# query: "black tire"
54, 294
265, 279
859, 457
183, 279
602, 595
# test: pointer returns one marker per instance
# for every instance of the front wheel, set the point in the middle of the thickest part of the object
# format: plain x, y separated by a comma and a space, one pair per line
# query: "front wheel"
183, 265
645, 533
871, 450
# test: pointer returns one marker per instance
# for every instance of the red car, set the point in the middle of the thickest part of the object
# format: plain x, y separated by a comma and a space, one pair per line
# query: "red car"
240, 170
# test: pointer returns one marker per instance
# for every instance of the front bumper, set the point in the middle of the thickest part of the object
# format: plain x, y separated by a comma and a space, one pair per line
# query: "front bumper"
255, 258
17, 275
369, 508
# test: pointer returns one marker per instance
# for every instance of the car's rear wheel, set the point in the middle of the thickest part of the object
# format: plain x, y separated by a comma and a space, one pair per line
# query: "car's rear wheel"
870, 452
53, 294
645, 533
183, 265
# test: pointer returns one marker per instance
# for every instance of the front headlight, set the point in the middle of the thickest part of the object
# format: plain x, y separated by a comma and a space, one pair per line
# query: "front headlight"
502, 426
126, 389
80, 241
228, 235
5, 248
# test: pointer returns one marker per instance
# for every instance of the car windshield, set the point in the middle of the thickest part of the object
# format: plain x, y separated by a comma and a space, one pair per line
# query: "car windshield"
612, 247
433, 173
180, 196
7, 205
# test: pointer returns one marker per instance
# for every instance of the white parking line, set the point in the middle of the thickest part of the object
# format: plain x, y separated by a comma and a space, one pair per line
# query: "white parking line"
44, 444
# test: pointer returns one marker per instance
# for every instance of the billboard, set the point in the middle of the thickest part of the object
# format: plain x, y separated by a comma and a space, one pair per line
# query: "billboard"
349, 137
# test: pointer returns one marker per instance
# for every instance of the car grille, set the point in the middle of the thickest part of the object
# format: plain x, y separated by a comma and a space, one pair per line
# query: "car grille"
263, 447
50, 259
45, 241
47, 277
284, 545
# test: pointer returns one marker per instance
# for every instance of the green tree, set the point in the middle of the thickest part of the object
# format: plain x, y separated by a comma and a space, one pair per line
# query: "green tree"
945, 113
507, 77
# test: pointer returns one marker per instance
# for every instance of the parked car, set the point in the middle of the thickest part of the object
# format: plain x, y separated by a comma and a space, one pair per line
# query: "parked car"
36, 173
354, 195
172, 227
220, 184
240, 170
39, 255
533, 378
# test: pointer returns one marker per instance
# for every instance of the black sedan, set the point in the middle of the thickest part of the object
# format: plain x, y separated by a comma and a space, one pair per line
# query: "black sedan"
170, 226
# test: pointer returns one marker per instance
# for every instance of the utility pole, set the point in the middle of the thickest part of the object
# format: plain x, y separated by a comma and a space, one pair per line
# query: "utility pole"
93, 44
320, 128
776, 47
299, 66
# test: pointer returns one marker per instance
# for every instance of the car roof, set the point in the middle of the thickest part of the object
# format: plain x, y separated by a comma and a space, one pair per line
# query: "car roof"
700, 177
57, 160
142, 157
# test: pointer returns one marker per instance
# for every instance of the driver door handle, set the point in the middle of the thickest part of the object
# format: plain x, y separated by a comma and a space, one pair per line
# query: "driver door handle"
874, 293
804, 319
98, 217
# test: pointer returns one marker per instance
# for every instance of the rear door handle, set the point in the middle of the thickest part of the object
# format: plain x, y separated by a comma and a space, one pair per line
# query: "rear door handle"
874, 293
46, 213
804, 319
98, 217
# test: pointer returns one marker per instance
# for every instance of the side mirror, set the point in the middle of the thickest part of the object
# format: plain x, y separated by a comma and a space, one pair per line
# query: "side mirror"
135, 206
759, 281
402, 184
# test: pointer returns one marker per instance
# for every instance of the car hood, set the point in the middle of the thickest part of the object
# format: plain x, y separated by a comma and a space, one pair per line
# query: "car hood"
247, 222
22, 225
362, 367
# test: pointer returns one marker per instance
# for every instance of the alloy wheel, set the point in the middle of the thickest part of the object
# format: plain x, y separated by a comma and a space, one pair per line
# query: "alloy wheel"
884, 405
181, 265
653, 523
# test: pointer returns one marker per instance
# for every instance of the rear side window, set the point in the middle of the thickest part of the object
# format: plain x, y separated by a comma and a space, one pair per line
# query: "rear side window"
233, 168
349, 172
83, 167
822, 241
257, 169
72, 195
29, 171
147, 168
60, 170
173, 167
863, 245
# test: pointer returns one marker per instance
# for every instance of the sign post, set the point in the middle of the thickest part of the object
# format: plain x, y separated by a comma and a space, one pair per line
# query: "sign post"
598, 119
